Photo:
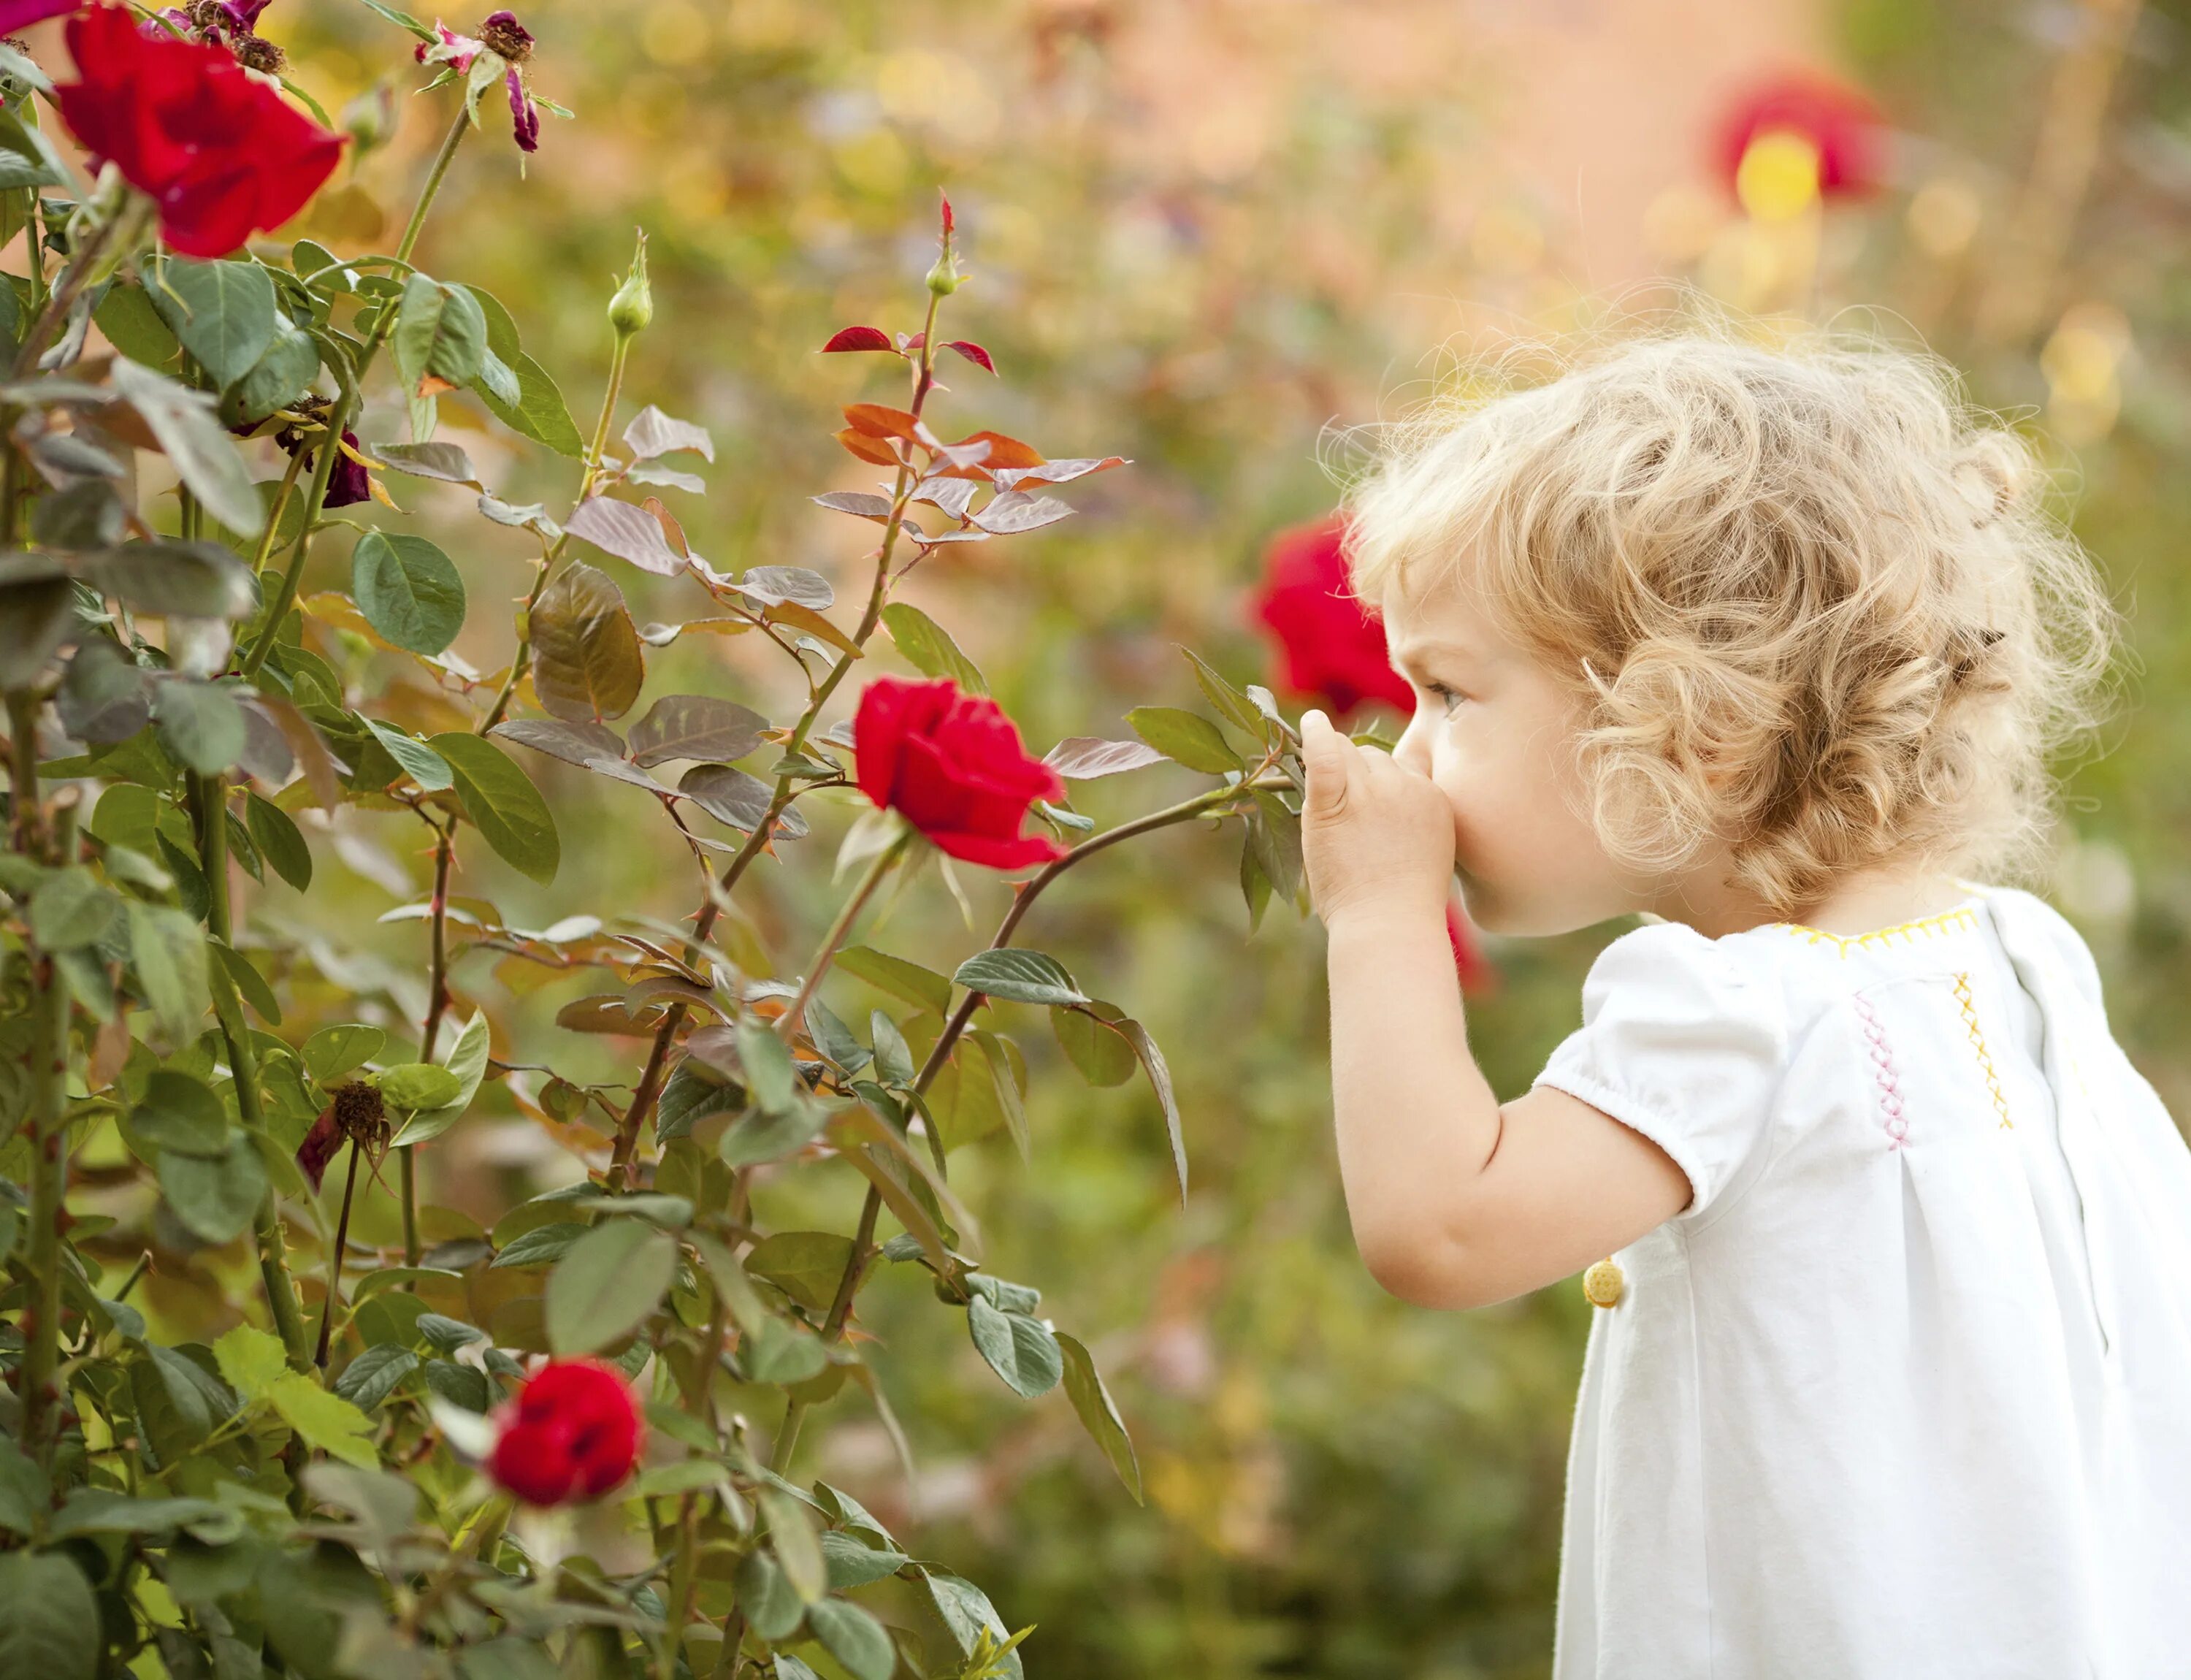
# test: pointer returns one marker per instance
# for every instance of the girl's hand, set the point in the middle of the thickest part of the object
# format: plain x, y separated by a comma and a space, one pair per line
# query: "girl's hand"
1375, 835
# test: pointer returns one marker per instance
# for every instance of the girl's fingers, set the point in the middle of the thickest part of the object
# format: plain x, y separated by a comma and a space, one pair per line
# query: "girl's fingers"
1324, 753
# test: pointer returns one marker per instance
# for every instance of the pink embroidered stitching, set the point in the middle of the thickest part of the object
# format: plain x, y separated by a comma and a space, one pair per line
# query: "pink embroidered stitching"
1882, 1070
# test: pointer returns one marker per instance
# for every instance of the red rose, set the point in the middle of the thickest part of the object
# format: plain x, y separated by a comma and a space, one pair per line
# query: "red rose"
1839, 120
223, 155
1331, 648
952, 765
573, 1432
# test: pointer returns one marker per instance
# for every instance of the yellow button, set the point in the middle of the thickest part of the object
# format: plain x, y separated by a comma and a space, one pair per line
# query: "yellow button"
1602, 1284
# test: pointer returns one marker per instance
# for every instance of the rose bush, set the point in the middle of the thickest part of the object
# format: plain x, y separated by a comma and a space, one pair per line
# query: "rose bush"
340, 1467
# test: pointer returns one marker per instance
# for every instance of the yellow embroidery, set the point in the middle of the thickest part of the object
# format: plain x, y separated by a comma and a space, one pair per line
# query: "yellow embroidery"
1978, 1040
1961, 916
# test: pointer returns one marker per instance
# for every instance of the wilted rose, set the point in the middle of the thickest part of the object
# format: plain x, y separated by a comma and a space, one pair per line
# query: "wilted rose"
221, 153
1328, 647
952, 765
573, 1432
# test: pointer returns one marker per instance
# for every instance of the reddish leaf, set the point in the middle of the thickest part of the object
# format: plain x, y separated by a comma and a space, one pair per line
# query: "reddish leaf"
875, 419
973, 353
875, 449
626, 532
911, 341
858, 338
1004, 452
672, 532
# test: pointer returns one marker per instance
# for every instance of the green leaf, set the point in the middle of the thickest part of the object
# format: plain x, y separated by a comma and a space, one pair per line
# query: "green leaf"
854, 1637
251, 1361
408, 589
27, 157
418, 1085
506, 1657
766, 1063
586, 660
249, 982
608, 1285
37, 613
133, 327
1104, 1056
966, 1611
1160, 1081
325, 1419
280, 377
507, 809
223, 313
805, 1265
417, 761
759, 1137
928, 645
688, 1097
440, 334
1017, 1347
1184, 738
332, 1051
539, 411
1021, 975
169, 954
203, 579
922, 987
466, 1059
200, 723
446, 462
50, 1623
24, 1490
542, 1246
791, 1537
765, 1594
101, 1510
180, 1113
375, 1374
197, 445
71, 908
214, 1200
1084, 1385
854, 1563
279, 841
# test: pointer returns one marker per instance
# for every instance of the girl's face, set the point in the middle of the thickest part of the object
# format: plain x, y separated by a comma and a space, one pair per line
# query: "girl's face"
1496, 732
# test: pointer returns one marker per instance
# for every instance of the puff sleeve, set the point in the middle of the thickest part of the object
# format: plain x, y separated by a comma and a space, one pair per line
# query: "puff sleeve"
1684, 1042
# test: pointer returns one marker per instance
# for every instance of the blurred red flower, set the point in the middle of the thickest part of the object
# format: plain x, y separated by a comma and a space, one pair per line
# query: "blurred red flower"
16, 14
222, 154
1839, 120
573, 1432
952, 765
1328, 647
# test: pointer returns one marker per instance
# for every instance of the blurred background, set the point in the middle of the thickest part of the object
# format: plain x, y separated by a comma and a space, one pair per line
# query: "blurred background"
1201, 234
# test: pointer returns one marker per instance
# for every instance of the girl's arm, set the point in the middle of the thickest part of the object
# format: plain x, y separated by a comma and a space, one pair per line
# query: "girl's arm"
1455, 1200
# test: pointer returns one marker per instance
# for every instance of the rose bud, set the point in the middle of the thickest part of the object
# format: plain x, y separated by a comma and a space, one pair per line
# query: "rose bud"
573, 1431
633, 307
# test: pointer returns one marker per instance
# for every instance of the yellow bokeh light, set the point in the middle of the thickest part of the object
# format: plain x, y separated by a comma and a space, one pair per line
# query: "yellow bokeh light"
1944, 217
874, 161
674, 32
1778, 180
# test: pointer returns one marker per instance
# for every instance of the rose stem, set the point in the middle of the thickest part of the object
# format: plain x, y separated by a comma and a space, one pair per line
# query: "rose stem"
334, 1264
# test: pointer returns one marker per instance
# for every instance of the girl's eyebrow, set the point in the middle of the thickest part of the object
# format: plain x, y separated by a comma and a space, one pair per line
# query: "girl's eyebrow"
1420, 656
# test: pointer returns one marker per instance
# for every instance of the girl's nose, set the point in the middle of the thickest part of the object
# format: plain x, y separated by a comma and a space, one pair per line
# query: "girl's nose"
1413, 751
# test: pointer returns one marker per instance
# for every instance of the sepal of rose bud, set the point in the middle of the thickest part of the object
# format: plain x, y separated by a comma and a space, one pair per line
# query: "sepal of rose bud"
633, 307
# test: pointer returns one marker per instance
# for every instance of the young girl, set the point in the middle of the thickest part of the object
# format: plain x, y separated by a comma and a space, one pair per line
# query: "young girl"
1891, 1372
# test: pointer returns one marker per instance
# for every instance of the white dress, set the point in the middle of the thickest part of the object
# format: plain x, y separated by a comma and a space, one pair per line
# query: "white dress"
1905, 1393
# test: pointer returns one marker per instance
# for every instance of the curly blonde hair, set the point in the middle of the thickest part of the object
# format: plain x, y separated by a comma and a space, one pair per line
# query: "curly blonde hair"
1808, 599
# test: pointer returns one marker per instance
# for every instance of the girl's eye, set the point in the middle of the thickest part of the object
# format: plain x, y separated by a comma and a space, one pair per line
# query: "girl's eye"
1447, 697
